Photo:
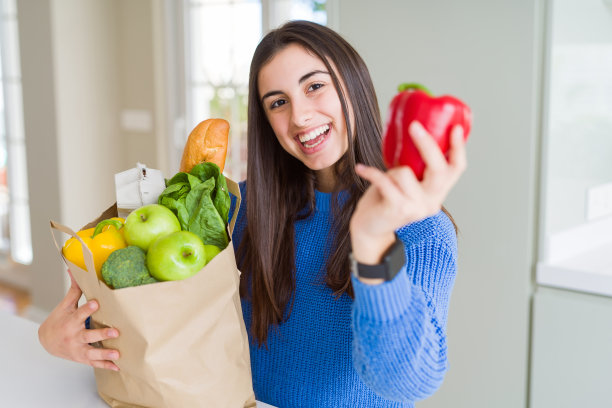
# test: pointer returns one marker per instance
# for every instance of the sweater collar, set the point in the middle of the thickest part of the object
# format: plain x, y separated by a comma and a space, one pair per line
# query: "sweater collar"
323, 201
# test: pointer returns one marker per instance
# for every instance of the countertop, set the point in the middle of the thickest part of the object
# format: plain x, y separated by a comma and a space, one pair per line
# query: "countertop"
30, 377
579, 259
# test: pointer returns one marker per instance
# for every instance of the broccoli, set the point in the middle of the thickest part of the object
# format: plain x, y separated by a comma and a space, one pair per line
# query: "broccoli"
126, 267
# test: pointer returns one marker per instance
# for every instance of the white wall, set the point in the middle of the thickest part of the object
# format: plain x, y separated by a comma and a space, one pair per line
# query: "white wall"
41, 138
86, 54
83, 64
487, 53
138, 92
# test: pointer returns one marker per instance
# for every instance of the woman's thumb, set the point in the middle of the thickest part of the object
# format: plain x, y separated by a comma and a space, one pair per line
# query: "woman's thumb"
74, 293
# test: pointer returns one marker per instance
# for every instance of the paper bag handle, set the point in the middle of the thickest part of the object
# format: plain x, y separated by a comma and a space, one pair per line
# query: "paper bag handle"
235, 190
87, 254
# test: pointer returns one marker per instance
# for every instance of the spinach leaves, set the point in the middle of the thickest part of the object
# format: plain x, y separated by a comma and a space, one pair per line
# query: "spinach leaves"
201, 201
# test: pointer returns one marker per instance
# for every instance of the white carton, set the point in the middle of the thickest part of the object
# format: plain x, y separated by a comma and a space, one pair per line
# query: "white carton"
137, 187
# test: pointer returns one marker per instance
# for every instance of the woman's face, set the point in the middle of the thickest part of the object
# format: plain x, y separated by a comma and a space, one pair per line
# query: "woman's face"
303, 107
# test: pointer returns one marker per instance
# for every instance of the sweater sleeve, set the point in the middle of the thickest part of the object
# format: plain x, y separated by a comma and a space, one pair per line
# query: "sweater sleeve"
399, 327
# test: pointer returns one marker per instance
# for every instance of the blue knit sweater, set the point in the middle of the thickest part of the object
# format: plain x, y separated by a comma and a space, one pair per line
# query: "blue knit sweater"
385, 348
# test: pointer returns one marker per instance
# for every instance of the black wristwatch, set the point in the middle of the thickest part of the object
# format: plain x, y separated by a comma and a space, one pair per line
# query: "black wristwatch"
392, 262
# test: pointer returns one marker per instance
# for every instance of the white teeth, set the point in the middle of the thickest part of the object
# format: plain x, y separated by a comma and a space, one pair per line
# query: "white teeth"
314, 133
310, 146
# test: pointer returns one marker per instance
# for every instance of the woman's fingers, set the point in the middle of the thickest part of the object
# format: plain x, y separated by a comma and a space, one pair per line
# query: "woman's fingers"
433, 157
405, 179
101, 358
384, 185
396, 197
427, 146
108, 365
72, 281
86, 310
397, 184
72, 297
105, 364
95, 335
63, 334
440, 174
457, 157
96, 354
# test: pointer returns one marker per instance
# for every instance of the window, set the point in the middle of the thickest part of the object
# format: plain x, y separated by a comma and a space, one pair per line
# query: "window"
220, 38
576, 197
15, 238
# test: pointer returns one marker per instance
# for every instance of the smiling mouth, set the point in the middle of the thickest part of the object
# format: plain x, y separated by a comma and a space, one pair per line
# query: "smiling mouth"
314, 137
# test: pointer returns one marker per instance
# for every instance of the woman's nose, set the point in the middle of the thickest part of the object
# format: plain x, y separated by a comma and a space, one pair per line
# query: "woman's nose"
301, 113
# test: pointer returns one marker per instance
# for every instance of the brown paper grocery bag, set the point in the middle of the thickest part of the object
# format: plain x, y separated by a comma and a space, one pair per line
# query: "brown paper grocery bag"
182, 343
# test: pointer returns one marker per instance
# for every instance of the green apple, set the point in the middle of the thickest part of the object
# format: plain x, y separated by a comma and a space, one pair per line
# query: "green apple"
176, 256
211, 251
147, 223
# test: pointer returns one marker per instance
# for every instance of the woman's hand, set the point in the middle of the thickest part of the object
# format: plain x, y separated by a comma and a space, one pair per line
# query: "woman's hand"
396, 198
63, 333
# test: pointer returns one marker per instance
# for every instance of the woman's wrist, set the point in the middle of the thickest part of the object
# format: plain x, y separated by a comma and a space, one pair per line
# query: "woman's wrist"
370, 250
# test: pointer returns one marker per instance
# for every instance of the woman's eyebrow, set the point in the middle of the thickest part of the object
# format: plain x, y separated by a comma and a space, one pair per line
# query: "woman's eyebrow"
301, 80
311, 73
271, 93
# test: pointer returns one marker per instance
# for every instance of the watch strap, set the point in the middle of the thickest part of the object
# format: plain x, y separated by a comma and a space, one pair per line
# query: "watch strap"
392, 261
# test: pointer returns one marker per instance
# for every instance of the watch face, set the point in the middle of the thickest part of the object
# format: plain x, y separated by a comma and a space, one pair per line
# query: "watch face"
393, 260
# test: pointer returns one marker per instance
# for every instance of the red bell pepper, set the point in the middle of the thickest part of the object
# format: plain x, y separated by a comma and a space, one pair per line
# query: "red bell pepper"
438, 116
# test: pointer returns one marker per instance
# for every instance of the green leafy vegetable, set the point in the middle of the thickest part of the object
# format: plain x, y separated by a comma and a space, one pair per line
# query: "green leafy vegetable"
201, 201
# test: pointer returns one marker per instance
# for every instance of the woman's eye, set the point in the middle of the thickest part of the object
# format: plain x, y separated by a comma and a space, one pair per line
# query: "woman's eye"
277, 103
315, 86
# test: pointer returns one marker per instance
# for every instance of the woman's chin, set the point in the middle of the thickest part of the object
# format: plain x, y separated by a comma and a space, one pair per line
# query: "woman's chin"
323, 162
325, 156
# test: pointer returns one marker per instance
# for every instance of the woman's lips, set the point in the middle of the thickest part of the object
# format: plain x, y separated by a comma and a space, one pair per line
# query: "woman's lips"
312, 134
314, 140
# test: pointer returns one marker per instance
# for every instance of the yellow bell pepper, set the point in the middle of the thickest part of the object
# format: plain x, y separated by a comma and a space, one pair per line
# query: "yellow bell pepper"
72, 248
102, 240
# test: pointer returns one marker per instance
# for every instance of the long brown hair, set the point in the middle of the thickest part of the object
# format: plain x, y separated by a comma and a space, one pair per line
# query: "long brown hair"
280, 189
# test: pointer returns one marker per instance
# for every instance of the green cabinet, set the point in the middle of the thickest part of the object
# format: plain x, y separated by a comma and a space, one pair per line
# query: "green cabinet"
571, 355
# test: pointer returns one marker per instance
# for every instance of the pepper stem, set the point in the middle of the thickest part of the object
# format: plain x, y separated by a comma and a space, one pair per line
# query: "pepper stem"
116, 223
413, 85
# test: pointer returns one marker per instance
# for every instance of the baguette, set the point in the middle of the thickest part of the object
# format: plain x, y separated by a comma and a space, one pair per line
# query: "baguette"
207, 142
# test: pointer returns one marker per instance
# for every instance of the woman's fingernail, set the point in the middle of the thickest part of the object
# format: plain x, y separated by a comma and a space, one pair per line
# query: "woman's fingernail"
458, 134
112, 333
113, 356
416, 129
359, 167
92, 305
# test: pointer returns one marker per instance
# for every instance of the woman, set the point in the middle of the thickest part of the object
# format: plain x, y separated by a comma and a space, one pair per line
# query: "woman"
317, 191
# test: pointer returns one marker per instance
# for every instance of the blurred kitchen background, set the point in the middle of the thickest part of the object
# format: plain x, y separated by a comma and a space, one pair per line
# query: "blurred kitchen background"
91, 87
